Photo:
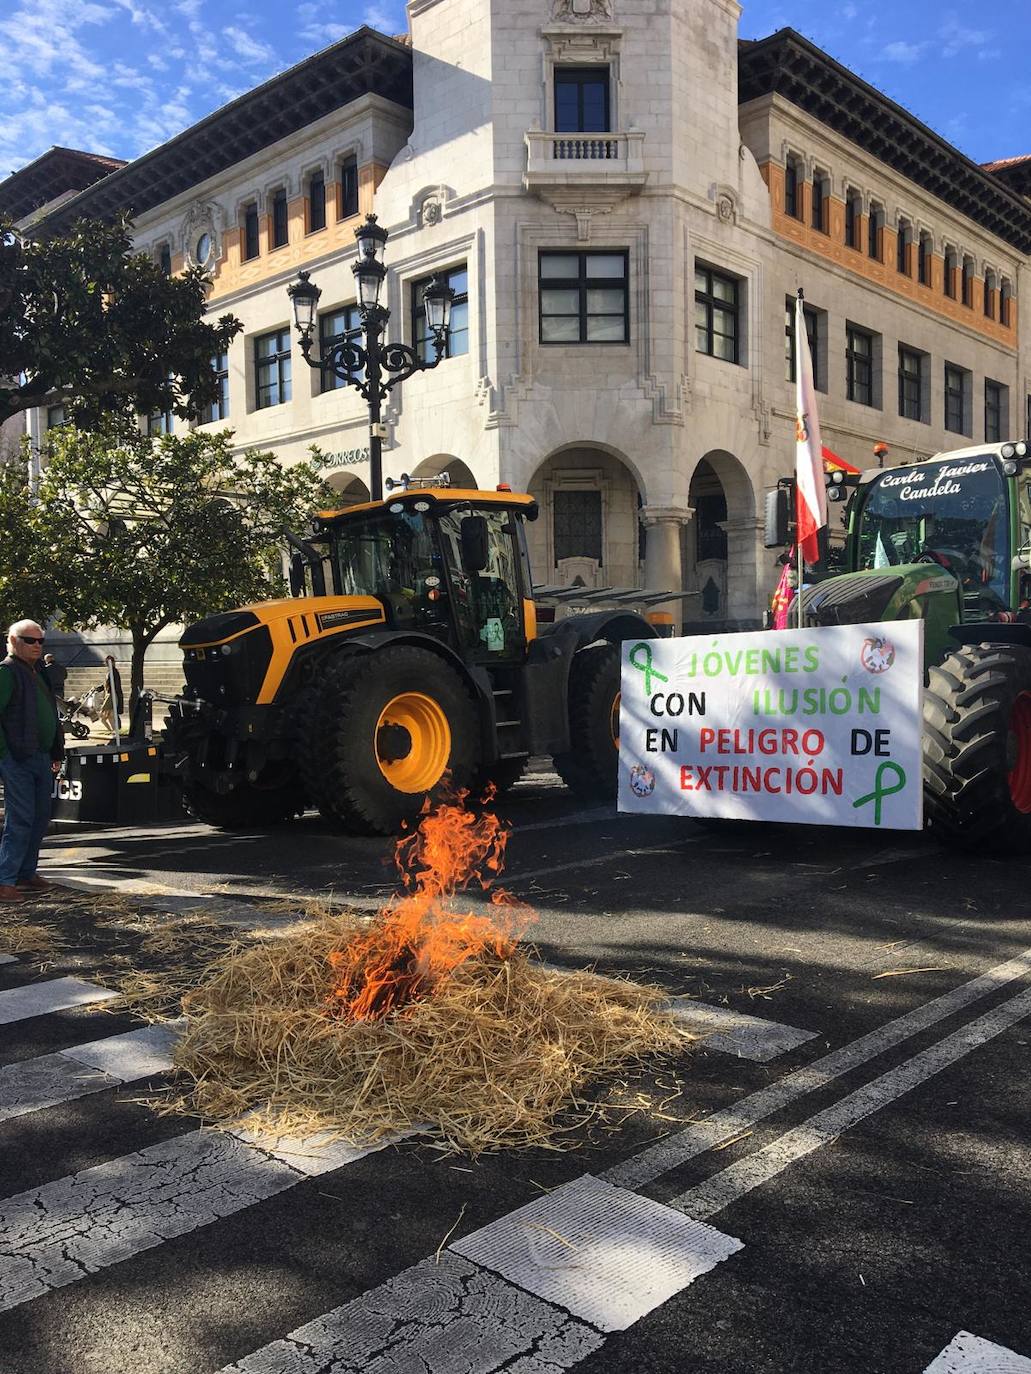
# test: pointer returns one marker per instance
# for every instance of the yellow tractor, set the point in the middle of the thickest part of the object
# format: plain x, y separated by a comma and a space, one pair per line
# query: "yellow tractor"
408, 660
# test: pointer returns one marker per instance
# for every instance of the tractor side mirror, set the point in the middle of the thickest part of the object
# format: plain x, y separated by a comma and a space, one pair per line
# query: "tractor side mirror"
474, 543
777, 517
297, 587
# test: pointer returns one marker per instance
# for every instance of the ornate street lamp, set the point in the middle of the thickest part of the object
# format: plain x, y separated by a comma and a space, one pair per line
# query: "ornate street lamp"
373, 367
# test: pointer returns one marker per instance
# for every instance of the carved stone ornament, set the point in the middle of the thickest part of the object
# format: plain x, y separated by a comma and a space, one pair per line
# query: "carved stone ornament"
584, 11
725, 209
428, 205
201, 235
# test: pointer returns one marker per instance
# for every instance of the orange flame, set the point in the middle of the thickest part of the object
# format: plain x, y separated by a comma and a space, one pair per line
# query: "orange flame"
416, 940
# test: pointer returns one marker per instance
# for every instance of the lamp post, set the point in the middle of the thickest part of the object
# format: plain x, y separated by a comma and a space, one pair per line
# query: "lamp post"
374, 367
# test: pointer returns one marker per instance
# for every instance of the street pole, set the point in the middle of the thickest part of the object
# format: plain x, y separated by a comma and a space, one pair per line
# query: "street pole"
373, 331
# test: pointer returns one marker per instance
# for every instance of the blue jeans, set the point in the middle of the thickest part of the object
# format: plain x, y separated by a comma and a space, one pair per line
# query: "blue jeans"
28, 785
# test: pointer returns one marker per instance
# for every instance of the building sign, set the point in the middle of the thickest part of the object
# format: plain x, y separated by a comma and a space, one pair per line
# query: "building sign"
344, 458
816, 727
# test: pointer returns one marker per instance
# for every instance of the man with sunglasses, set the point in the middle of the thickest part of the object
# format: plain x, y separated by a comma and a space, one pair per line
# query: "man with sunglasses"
31, 751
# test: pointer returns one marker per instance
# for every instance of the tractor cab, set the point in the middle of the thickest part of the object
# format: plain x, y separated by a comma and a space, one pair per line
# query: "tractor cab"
444, 562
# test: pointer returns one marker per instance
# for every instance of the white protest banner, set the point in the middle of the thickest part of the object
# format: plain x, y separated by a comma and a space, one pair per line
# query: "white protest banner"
814, 726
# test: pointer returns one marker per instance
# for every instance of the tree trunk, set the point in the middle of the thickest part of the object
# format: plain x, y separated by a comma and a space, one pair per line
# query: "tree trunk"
142, 638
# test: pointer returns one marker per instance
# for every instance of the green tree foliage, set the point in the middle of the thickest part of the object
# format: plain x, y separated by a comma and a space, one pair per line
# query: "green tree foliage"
86, 321
28, 581
145, 533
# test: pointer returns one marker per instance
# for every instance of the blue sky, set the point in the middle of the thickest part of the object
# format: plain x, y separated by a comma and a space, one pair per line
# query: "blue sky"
120, 76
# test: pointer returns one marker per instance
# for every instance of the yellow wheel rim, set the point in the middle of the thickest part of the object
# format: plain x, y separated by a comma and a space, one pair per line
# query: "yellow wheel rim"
614, 719
413, 742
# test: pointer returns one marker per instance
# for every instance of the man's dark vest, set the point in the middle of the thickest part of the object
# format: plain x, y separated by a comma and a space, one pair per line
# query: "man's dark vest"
20, 718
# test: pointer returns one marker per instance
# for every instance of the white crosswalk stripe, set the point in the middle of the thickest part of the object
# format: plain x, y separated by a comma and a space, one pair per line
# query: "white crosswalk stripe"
8, 959
32, 1084
967, 1354
40, 999
737, 1033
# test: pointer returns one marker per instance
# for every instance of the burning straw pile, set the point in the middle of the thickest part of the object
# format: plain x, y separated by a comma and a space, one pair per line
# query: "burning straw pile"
421, 1019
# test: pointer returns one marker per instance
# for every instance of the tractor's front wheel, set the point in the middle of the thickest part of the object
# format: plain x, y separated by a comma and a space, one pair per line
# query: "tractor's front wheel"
591, 767
388, 730
977, 748
245, 806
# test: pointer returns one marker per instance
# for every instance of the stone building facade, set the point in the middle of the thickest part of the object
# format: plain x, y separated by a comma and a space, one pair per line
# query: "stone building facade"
626, 198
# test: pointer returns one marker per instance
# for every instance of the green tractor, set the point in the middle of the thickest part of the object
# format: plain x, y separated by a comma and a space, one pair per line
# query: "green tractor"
948, 541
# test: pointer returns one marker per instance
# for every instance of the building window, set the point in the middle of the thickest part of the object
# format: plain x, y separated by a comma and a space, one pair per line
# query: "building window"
159, 423
873, 232
458, 335
968, 281
316, 202
165, 259
793, 188
272, 368
334, 327
219, 407
989, 295
858, 365
280, 220
949, 274
911, 383
56, 417
581, 100
1005, 300
923, 260
584, 298
251, 241
853, 219
716, 314
348, 188
905, 234
577, 525
812, 329
957, 403
819, 217
996, 412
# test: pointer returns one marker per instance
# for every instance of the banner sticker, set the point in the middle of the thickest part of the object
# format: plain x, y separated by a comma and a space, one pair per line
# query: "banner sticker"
814, 726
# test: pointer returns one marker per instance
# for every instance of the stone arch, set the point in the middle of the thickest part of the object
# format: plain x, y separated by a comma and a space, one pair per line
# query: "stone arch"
589, 532
720, 546
460, 473
351, 489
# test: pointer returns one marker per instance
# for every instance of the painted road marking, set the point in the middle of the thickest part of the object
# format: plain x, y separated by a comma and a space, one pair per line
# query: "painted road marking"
8, 959
62, 1231
437, 1316
50, 1079
58, 994
735, 1032
674, 1150
968, 1354
606, 1255
732, 1183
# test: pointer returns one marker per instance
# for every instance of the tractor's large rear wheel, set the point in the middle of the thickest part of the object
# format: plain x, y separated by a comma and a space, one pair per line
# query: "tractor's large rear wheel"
246, 806
388, 730
977, 748
591, 767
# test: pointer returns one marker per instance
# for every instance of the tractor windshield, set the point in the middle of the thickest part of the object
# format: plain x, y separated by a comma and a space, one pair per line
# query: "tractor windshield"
389, 553
953, 514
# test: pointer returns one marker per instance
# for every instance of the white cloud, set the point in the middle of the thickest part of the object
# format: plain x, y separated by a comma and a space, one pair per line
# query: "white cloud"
905, 53
957, 38
246, 47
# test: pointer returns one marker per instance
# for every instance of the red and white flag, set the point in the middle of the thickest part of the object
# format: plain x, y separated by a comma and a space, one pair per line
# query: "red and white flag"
810, 488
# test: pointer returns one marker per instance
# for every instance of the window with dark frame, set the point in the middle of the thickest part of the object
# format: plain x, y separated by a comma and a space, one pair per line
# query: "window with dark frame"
968, 282
911, 383
853, 219
812, 329
923, 260
165, 259
955, 408
348, 188
219, 407
251, 239
792, 189
902, 248
159, 423
859, 365
280, 220
873, 230
272, 382
582, 100
458, 335
335, 326
717, 307
316, 202
989, 295
577, 525
819, 215
949, 274
994, 430
583, 297
56, 417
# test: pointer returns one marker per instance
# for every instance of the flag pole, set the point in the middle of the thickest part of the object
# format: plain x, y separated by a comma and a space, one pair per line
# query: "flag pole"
799, 560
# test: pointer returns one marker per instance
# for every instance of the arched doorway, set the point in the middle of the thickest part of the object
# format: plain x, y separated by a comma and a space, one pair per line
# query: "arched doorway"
720, 547
460, 473
589, 532
351, 490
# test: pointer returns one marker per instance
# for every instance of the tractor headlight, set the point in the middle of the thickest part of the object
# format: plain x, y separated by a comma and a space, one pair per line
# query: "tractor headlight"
227, 648
1008, 451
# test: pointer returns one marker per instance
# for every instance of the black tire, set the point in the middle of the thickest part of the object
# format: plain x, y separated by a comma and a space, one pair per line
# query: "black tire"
77, 729
975, 737
502, 774
341, 757
591, 767
245, 807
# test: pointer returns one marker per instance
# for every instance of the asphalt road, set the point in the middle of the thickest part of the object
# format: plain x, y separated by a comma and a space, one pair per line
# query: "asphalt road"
861, 1197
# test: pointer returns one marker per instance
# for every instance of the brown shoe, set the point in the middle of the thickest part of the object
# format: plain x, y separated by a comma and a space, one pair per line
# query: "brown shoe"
10, 894
37, 883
